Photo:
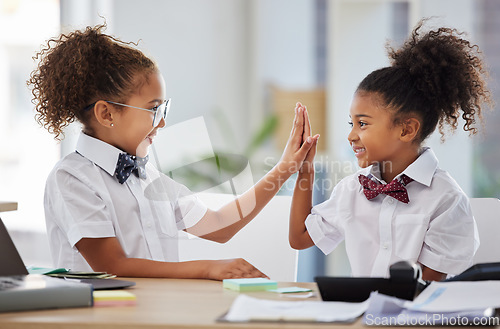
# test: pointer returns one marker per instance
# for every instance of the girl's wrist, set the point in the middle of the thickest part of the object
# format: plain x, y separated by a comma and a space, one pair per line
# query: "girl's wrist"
304, 182
204, 268
306, 169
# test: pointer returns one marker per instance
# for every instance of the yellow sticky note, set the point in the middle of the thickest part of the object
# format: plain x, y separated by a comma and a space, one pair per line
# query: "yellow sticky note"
113, 298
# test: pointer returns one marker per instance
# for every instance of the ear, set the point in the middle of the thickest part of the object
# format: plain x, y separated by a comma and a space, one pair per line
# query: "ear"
409, 130
104, 113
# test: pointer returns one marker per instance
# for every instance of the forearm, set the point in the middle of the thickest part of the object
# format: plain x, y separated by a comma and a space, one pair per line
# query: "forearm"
107, 255
256, 198
223, 224
146, 268
301, 207
114, 261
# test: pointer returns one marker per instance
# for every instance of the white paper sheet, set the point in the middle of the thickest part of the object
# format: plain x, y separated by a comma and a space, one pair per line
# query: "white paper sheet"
457, 296
390, 311
246, 308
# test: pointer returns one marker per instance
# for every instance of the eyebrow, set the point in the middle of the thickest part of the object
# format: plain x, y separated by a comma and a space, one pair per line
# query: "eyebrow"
156, 101
362, 116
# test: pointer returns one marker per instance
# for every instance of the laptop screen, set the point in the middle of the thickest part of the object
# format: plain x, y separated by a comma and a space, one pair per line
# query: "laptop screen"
10, 260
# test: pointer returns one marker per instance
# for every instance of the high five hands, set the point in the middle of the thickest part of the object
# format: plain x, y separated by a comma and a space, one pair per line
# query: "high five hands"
298, 155
301, 146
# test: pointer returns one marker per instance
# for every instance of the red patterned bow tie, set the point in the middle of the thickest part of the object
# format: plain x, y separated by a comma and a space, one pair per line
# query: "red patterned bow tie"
395, 189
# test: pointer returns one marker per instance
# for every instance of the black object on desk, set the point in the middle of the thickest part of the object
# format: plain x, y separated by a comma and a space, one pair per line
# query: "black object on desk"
105, 284
478, 272
404, 283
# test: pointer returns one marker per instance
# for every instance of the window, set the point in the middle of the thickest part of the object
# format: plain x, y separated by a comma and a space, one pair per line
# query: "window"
486, 174
27, 151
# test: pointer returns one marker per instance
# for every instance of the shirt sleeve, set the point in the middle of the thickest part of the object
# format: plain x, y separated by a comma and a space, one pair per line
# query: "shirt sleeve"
452, 238
75, 207
322, 224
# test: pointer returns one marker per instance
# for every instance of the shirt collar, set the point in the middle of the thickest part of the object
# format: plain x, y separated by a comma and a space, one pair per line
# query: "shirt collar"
421, 170
100, 153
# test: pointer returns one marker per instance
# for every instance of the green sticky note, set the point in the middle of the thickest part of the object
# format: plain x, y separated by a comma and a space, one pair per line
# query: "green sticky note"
45, 270
250, 284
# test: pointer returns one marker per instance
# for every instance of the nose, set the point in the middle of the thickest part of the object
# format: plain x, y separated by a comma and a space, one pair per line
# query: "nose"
161, 124
352, 136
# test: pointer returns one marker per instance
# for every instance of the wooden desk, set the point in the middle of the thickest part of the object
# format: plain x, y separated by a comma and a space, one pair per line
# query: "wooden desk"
161, 303
7, 206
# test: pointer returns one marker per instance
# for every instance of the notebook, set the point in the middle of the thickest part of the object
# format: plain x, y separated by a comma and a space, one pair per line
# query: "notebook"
12, 264
22, 291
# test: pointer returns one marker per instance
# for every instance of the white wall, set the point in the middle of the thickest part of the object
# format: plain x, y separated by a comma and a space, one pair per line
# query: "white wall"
282, 51
357, 35
200, 46
456, 153
286, 43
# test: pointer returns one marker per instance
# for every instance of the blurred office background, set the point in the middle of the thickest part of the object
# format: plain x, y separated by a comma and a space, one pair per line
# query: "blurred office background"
240, 65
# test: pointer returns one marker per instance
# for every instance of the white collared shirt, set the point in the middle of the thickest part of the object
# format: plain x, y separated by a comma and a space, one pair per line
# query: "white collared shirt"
436, 228
83, 199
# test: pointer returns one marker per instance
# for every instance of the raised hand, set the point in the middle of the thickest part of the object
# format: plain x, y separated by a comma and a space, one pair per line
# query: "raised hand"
308, 163
299, 143
302, 195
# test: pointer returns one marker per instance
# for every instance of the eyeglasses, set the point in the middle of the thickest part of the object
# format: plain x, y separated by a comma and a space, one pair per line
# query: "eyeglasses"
160, 111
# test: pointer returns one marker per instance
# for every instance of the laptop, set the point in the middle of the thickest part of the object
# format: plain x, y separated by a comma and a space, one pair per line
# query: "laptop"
20, 291
11, 264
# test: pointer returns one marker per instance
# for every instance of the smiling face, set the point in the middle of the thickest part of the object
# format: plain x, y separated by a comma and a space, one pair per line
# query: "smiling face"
133, 130
374, 137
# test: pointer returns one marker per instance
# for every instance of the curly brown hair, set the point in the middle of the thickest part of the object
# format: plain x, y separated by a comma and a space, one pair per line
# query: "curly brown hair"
435, 76
80, 68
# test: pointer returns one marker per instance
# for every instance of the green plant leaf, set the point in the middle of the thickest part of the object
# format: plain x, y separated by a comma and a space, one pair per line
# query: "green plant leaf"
265, 131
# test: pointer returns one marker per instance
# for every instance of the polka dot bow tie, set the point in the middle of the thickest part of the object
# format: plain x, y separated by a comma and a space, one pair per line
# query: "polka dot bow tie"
395, 189
130, 163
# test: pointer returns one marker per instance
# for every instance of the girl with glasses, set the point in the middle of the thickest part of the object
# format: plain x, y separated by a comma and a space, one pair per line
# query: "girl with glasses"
97, 213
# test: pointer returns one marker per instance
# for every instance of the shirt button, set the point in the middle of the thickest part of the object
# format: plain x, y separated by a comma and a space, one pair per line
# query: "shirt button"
385, 246
149, 225
391, 200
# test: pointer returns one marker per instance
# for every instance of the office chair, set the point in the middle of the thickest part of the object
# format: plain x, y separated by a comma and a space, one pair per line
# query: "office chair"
486, 211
